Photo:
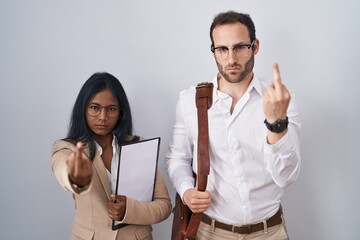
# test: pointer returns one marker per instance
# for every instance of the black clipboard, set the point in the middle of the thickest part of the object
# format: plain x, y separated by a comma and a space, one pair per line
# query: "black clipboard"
136, 173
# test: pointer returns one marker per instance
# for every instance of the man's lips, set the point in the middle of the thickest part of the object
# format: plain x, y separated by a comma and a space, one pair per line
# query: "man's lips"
233, 69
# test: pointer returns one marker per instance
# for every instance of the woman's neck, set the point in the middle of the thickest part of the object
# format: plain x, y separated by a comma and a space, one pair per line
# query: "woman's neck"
104, 141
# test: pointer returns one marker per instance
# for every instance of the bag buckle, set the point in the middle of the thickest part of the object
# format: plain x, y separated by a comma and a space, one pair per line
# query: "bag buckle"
202, 84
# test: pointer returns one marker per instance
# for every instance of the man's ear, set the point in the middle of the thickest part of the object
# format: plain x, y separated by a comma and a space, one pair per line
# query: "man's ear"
256, 46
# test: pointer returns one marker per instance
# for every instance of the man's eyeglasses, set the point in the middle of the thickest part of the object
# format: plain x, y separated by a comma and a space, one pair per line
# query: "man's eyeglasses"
240, 50
111, 111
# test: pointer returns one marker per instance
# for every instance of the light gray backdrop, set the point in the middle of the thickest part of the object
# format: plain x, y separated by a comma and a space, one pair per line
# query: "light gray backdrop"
157, 48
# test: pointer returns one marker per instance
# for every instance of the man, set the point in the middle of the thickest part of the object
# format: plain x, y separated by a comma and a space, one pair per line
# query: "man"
254, 138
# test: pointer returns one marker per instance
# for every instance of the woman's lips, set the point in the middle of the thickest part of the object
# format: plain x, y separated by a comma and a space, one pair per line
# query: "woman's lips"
100, 126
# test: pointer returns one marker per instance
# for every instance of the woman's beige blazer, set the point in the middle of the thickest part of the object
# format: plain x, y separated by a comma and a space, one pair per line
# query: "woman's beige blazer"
91, 219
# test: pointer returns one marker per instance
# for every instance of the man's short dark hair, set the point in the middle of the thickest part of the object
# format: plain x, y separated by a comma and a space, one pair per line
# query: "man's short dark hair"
233, 17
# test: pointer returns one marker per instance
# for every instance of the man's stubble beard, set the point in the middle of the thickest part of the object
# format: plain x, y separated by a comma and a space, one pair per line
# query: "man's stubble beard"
249, 65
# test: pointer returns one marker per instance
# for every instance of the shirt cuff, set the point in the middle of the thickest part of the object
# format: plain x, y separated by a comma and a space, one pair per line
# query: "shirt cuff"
183, 187
283, 145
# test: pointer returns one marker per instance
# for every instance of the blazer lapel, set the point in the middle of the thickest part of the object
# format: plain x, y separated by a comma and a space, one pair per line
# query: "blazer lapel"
101, 171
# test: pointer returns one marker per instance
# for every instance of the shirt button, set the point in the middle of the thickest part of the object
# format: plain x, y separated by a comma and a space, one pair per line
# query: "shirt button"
242, 179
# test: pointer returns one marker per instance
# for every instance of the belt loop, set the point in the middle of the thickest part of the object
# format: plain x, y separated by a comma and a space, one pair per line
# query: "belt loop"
265, 226
213, 224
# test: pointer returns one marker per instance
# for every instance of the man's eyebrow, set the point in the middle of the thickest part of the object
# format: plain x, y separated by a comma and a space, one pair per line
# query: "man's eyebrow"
234, 45
241, 43
219, 46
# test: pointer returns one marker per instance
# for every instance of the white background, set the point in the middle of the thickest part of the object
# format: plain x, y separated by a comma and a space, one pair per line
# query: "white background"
156, 49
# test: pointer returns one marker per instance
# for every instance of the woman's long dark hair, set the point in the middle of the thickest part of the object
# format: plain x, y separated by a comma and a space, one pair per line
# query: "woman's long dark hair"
78, 127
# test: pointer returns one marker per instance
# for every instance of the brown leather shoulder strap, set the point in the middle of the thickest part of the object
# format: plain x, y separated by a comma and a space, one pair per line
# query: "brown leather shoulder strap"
203, 103
203, 100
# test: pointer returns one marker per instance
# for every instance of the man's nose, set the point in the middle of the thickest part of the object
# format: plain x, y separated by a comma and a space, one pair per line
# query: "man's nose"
232, 58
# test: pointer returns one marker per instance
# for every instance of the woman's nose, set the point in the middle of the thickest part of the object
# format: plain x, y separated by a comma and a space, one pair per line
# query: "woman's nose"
102, 114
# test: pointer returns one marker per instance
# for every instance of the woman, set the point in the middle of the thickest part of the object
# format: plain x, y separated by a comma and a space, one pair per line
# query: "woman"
84, 163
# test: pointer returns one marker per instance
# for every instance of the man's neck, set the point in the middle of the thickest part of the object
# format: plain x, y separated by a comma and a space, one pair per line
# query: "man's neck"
235, 90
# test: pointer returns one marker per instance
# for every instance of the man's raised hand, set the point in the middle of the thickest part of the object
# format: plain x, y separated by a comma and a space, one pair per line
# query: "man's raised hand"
276, 98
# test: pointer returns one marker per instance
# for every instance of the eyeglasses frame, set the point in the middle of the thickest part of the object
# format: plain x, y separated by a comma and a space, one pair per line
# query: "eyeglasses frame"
236, 45
106, 110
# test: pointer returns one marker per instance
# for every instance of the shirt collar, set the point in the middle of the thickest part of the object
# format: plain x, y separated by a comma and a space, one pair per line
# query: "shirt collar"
217, 94
254, 85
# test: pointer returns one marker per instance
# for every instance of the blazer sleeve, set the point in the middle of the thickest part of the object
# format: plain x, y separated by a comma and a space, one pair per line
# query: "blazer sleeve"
61, 151
151, 212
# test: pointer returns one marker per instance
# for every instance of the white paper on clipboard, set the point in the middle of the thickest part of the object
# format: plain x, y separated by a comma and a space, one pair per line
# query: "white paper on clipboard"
137, 169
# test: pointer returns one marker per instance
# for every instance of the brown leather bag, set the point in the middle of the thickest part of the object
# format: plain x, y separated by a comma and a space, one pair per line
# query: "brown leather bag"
185, 222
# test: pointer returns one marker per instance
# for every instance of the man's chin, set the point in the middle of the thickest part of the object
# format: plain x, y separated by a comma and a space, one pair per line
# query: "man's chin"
233, 79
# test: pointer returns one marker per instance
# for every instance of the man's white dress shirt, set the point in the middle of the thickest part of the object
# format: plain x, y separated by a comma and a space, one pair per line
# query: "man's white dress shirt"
247, 175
